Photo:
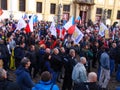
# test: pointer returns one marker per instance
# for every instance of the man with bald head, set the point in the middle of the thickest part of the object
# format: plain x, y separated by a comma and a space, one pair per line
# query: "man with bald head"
91, 83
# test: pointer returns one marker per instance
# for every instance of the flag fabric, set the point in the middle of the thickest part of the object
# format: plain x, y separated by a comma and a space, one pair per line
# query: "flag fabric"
31, 23
63, 33
25, 17
71, 29
1, 11
69, 23
78, 20
35, 20
27, 29
53, 29
21, 24
77, 35
58, 30
102, 29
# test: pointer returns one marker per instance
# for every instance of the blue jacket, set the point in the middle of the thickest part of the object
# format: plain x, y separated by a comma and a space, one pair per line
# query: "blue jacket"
23, 79
45, 86
105, 61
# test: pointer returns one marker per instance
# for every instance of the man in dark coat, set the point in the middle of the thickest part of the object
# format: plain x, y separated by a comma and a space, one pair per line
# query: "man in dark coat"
19, 53
23, 77
31, 54
55, 64
70, 62
4, 54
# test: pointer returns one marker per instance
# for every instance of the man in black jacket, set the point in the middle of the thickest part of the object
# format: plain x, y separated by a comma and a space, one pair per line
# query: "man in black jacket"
4, 54
70, 62
19, 53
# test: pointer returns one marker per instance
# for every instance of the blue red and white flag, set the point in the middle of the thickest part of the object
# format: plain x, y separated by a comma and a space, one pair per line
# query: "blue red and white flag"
29, 27
69, 26
78, 20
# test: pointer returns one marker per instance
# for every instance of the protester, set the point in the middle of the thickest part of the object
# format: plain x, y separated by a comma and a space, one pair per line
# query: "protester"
105, 69
70, 62
19, 53
79, 73
45, 83
23, 77
91, 83
4, 54
56, 64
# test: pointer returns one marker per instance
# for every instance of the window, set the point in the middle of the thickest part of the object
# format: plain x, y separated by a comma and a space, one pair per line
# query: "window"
39, 7
22, 5
118, 14
66, 8
52, 8
4, 4
99, 11
109, 12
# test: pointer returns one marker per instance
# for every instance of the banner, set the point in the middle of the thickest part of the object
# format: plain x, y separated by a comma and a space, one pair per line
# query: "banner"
53, 29
107, 34
77, 36
102, 29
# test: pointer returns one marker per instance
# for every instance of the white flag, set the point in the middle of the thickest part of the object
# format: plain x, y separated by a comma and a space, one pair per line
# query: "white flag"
77, 36
21, 24
102, 29
31, 23
53, 29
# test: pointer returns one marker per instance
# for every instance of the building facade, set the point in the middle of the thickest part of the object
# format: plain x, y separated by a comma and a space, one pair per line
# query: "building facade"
106, 10
44, 9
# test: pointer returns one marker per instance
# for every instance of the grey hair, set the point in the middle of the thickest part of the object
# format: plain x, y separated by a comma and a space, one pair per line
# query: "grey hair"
82, 58
24, 61
71, 50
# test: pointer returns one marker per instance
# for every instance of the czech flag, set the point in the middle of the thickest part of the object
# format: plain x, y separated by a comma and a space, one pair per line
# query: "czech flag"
29, 27
69, 26
78, 20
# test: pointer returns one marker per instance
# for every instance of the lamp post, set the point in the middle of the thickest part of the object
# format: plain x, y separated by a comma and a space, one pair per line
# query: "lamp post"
59, 12
11, 10
105, 13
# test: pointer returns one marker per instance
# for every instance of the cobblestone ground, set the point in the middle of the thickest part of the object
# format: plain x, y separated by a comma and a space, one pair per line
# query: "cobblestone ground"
112, 84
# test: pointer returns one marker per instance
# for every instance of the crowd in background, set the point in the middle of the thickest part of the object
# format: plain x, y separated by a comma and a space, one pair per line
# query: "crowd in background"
35, 53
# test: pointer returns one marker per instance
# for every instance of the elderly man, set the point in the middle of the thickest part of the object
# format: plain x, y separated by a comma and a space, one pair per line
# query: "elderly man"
56, 64
70, 62
79, 73
91, 83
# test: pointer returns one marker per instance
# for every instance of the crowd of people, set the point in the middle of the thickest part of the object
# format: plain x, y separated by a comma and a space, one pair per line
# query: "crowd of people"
39, 53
